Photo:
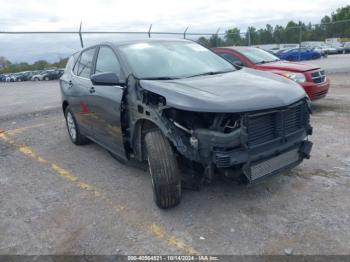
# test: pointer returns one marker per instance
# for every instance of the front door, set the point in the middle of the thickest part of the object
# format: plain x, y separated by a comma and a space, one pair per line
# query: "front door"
106, 104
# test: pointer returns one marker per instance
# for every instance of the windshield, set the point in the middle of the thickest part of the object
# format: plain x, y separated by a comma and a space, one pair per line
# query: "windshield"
172, 60
258, 56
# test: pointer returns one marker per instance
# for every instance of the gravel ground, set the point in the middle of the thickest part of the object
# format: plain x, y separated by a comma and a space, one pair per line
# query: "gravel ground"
57, 198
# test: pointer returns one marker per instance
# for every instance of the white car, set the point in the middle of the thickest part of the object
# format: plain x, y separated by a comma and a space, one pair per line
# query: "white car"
10, 78
39, 77
324, 49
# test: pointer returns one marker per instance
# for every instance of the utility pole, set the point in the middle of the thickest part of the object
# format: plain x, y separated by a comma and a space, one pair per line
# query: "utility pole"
80, 36
300, 39
185, 32
217, 37
249, 38
149, 31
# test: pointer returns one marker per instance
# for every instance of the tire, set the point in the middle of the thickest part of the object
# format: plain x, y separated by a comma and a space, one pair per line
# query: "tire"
73, 129
46, 78
164, 171
36, 79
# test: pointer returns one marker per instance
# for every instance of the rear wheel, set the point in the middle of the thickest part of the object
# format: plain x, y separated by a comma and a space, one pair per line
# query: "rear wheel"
163, 167
73, 129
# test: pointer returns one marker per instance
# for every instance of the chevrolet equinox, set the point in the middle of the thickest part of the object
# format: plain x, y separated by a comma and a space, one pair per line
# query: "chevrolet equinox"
185, 111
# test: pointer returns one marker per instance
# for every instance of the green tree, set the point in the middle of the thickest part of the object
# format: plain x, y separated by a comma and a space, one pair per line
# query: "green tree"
4, 62
203, 41
7, 67
216, 41
233, 37
41, 64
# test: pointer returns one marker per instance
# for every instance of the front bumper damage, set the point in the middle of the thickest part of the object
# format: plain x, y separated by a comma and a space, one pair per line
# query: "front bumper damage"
265, 143
231, 150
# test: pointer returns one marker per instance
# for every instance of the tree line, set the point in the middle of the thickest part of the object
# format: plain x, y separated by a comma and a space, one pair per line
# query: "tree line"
7, 67
293, 32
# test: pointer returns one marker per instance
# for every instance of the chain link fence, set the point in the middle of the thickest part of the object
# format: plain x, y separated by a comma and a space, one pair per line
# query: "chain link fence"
52, 46
335, 34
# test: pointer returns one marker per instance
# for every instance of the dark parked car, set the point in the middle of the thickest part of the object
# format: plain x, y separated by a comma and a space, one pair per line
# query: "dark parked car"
297, 54
185, 111
51, 75
60, 73
22, 76
2, 78
347, 47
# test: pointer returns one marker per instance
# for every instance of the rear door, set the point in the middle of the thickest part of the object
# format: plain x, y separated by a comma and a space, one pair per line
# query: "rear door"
80, 85
106, 103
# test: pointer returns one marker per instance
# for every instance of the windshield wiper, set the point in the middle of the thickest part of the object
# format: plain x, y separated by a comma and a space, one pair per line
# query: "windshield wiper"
212, 73
265, 62
159, 78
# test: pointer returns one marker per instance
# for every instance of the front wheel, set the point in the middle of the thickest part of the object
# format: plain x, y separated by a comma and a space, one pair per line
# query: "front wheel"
163, 167
46, 78
73, 129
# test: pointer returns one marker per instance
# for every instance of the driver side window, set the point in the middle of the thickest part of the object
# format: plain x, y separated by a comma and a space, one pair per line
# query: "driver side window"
107, 62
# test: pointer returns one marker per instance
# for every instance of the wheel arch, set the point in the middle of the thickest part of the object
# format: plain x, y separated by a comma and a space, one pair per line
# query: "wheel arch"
141, 127
65, 104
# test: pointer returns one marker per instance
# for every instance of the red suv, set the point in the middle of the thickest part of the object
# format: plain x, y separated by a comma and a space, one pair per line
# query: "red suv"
311, 78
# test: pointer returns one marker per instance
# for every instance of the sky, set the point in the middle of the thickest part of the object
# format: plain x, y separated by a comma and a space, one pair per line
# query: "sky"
131, 15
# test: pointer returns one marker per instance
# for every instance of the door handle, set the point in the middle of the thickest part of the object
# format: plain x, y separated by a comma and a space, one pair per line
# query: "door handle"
92, 90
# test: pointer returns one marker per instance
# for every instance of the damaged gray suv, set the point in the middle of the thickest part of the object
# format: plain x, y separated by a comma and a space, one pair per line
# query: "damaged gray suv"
186, 111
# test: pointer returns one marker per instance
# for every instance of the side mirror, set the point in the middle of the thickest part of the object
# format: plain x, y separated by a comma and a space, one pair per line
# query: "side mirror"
107, 79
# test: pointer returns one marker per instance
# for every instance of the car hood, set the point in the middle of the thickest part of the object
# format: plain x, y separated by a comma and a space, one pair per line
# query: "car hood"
287, 66
239, 91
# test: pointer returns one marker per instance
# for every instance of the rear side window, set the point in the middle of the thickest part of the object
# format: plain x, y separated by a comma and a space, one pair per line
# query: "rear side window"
107, 62
70, 63
83, 66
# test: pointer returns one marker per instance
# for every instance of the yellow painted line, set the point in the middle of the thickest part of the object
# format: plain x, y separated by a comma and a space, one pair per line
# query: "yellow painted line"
153, 229
20, 130
171, 240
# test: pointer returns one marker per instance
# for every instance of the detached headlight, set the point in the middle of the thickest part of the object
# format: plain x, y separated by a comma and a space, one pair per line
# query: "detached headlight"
297, 77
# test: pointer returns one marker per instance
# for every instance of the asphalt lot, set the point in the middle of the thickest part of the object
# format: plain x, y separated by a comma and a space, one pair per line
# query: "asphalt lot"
58, 198
28, 97
333, 63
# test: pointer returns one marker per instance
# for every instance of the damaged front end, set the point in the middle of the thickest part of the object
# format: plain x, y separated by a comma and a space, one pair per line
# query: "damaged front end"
259, 143
256, 143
